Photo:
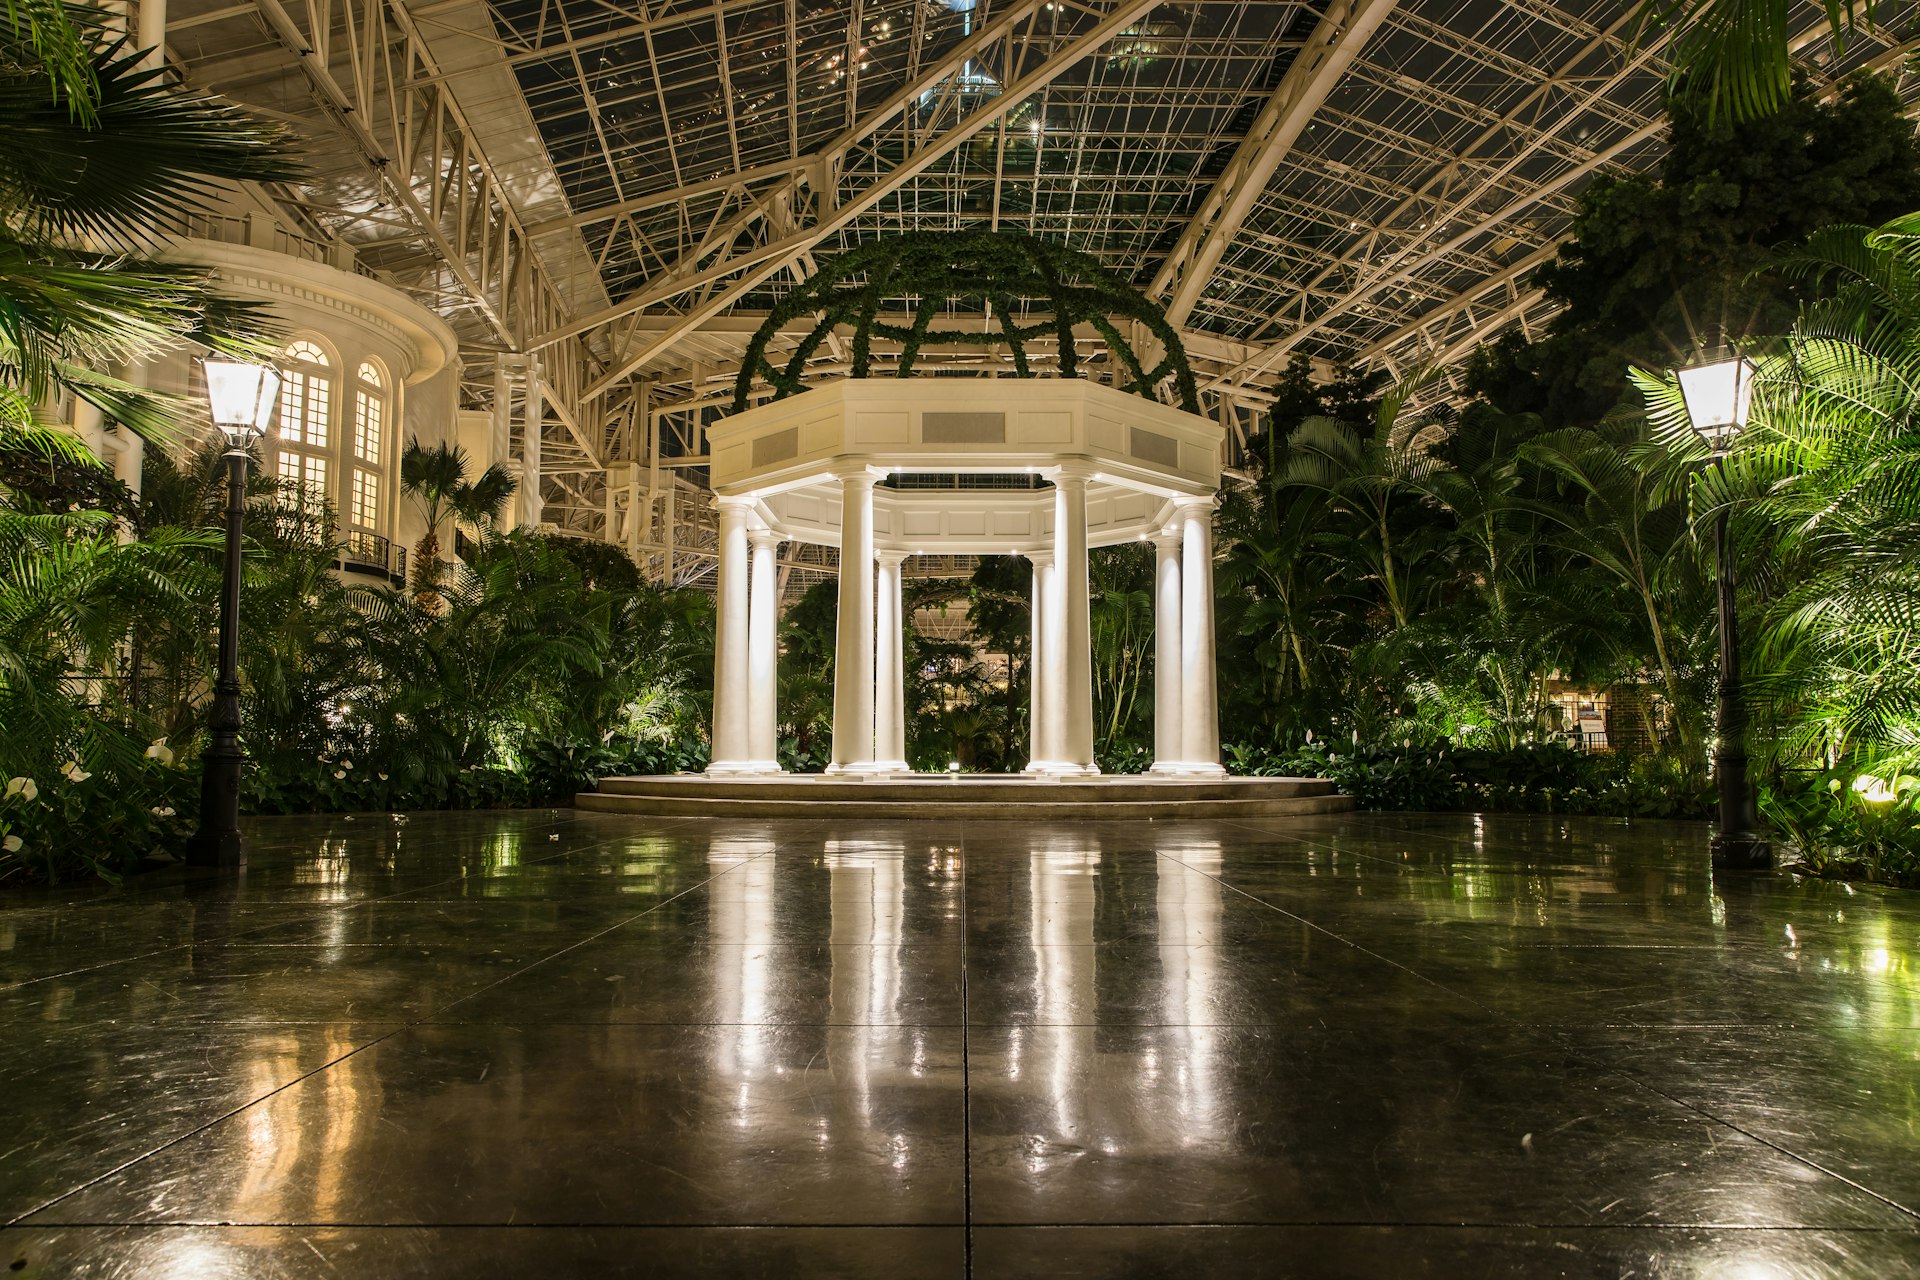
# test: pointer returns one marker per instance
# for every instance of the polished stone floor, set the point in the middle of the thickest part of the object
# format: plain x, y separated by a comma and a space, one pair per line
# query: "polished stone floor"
558, 1044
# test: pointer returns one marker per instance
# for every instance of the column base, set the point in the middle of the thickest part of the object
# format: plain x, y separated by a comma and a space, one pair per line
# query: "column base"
1187, 769
864, 769
1061, 769
742, 768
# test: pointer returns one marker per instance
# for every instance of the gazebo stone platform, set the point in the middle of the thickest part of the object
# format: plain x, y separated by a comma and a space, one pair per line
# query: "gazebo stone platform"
1015, 797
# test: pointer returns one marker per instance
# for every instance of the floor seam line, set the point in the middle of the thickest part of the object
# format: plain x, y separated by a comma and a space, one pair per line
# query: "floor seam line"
966, 1080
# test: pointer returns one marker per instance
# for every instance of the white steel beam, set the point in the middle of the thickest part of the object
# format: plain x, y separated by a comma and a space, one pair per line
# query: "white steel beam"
1336, 41
763, 260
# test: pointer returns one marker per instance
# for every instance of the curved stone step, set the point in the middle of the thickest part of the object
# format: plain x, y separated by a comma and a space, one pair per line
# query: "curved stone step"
743, 799
966, 789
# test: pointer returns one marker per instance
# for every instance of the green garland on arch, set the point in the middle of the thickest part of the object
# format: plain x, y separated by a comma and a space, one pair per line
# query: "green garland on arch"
939, 267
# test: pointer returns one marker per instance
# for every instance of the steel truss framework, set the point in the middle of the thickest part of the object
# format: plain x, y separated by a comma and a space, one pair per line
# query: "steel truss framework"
604, 198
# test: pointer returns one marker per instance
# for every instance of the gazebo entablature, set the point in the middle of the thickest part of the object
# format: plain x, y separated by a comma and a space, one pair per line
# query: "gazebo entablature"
810, 468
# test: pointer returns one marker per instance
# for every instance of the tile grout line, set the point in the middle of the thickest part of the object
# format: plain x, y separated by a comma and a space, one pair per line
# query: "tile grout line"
1310, 1224
409, 1025
966, 1082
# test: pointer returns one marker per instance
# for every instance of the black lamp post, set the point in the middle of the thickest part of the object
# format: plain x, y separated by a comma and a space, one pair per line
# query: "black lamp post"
242, 398
1719, 394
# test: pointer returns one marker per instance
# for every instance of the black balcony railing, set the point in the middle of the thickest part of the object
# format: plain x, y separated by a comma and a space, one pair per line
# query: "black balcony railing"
375, 556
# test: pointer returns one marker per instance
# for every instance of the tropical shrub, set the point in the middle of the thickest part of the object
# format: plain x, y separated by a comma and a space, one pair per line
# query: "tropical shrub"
1434, 775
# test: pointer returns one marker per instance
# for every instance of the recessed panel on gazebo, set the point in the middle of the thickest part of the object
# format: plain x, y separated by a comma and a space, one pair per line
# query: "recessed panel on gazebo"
980, 424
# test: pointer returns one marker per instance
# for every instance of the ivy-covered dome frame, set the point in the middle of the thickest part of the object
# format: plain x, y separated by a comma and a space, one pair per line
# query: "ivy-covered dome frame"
995, 268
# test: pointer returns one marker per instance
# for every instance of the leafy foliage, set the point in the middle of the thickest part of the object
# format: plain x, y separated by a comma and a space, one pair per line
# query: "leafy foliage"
436, 476
1733, 58
100, 148
1663, 264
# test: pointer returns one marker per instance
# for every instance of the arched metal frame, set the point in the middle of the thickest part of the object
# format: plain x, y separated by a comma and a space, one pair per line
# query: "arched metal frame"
999, 272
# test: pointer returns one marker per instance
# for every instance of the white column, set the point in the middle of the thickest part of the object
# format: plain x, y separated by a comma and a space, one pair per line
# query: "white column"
1199, 697
763, 654
890, 672
1074, 745
1168, 642
531, 502
502, 416
732, 743
1039, 666
152, 32
853, 649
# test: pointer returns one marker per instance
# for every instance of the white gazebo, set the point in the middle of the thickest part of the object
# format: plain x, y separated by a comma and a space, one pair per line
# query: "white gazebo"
818, 467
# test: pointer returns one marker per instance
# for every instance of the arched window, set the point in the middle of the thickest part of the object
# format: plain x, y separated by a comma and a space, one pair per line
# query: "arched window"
306, 419
369, 448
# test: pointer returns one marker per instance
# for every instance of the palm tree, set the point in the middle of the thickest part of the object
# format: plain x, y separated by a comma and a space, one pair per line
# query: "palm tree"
437, 476
1120, 617
1375, 474
1624, 518
1829, 468
1736, 54
72, 595
101, 156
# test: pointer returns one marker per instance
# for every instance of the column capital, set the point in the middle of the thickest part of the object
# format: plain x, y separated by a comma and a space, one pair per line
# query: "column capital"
1072, 475
860, 474
765, 537
733, 510
1039, 559
888, 557
1168, 535
1195, 503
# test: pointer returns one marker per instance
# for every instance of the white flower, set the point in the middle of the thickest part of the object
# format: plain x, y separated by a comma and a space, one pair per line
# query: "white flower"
74, 773
346, 764
11, 844
160, 751
339, 773
162, 811
23, 787
383, 777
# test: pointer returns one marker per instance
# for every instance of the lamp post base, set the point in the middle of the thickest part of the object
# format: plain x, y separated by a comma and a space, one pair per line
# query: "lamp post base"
222, 849
217, 843
1740, 851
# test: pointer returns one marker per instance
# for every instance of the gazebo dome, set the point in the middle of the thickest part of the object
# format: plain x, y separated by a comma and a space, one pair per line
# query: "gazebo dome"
995, 276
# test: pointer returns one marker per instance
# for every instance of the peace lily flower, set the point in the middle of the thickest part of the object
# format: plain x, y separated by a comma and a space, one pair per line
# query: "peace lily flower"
11, 844
22, 787
160, 751
339, 773
162, 811
74, 773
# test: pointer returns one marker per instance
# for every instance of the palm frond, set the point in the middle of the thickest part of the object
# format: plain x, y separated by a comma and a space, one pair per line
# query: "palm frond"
152, 152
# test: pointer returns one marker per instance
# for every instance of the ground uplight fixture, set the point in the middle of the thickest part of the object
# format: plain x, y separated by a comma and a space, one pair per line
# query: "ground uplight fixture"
1719, 396
241, 398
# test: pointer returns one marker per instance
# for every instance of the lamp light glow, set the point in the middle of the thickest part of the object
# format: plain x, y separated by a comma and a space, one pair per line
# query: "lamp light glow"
1719, 396
1874, 790
241, 396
